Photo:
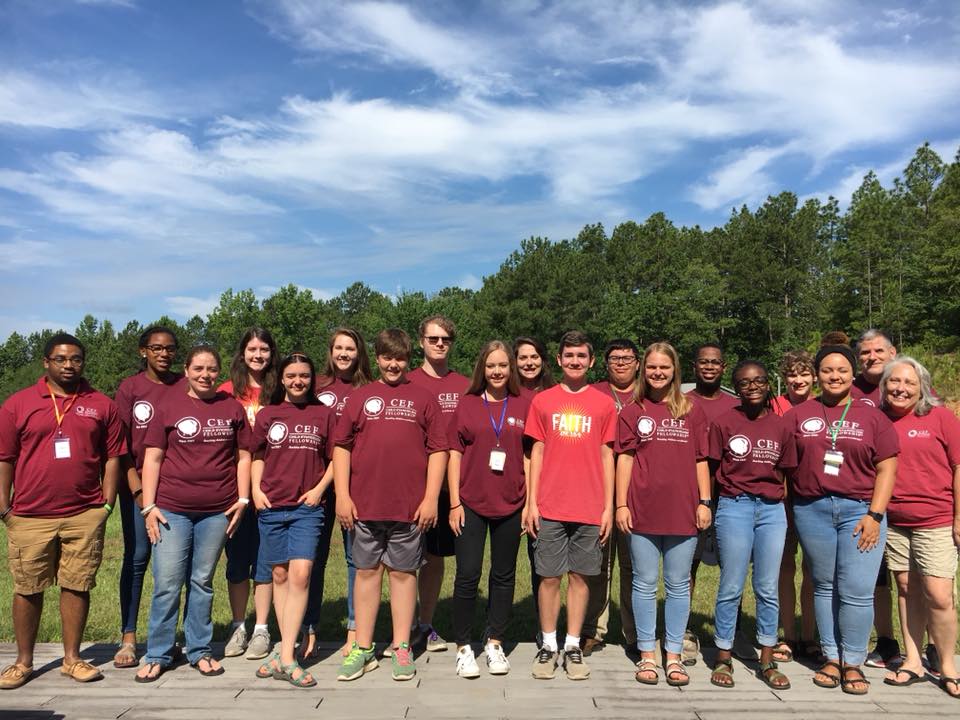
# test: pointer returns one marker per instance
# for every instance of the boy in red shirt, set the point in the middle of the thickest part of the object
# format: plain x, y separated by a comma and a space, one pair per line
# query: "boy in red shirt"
388, 463
570, 506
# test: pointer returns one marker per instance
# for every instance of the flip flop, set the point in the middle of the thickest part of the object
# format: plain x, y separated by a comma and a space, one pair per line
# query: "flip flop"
211, 672
150, 678
953, 681
126, 656
912, 678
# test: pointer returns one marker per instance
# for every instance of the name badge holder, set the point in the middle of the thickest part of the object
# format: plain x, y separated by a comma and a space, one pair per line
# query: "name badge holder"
833, 458
498, 456
61, 443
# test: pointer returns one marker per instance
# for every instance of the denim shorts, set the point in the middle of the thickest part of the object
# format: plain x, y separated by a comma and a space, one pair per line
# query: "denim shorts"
289, 533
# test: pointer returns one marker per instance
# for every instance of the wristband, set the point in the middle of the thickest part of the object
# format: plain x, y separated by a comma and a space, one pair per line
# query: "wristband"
706, 503
875, 515
621, 506
5, 512
137, 493
454, 507
108, 507
147, 509
243, 501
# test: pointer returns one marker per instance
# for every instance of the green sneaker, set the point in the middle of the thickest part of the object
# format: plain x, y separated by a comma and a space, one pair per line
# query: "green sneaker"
403, 667
358, 662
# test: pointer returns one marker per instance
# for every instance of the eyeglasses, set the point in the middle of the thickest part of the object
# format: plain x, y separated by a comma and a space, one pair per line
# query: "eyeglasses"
62, 360
438, 339
706, 362
621, 359
762, 381
157, 349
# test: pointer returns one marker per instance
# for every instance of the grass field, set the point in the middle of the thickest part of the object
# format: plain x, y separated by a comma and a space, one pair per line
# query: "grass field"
104, 621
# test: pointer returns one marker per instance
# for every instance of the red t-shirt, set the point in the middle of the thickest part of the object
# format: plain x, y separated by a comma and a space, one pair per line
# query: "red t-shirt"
471, 432
751, 452
137, 400
663, 493
620, 398
390, 431
294, 441
447, 390
250, 400
334, 394
47, 486
929, 451
865, 438
573, 427
864, 390
200, 440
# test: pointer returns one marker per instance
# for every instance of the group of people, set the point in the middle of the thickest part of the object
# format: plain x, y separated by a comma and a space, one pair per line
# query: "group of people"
416, 465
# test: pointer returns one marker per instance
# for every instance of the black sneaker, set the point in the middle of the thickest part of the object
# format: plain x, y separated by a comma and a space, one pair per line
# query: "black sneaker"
885, 653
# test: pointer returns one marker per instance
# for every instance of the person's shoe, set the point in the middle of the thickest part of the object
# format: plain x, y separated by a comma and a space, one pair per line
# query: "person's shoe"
259, 646
13, 676
497, 662
435, 643
467, 663
357, 662
545, 664
387, 651
743, 649
591, 645
81, 671
691, 648
574, 665
237, 642
884, 654
402, 659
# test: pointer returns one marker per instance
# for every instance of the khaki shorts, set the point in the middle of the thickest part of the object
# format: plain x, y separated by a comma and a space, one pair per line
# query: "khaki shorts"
65, 550
929, 551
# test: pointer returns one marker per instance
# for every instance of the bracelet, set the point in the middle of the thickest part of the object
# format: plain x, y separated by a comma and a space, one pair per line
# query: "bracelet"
6, 512
137, 493
147, 509
243, 501
108, 507
454, 507
621, 506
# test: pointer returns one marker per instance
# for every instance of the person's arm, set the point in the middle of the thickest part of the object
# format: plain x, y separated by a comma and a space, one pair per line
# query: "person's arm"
609, 473
346, 510
260, 499
150, 477
531, 512
6, 485
128, 470
235, 512
622, 512
314, 495
869, 529
111, 476
456, 518
426, 514
704, 485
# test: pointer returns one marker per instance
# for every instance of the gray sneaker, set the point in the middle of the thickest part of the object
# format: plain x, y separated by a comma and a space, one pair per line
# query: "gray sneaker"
259, 646
574, 665
545, 664
691, 648
237, 643
435, 643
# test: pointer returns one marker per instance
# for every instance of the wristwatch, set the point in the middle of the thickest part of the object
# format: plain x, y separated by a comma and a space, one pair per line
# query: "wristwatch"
875, 515
706, 503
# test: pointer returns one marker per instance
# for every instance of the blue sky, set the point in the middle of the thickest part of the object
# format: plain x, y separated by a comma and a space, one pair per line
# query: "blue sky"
155, 153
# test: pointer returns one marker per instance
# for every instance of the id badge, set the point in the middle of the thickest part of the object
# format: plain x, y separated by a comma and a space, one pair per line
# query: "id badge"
498, 459
832, 460
61, 448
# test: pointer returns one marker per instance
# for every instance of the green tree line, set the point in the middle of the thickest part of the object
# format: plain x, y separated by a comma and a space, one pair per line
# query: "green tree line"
766, 281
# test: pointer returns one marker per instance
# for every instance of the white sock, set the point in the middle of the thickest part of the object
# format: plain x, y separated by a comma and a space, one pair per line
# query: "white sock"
235, 624
261, 628
572, 641
550, 640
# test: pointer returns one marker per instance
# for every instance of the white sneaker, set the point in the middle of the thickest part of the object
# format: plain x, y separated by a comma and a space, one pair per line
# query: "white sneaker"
497, 662
467, 663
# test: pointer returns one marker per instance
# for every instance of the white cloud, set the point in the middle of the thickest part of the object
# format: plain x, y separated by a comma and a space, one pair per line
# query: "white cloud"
21, 252
741, 179
469, 281
186, 306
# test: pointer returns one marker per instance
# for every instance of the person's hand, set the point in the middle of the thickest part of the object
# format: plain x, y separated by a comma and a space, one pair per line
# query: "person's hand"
869, 531
346, 512
457, 520
153, 520
624, 519
956, 532
235, 513
260, 499
530, 519
606, 526
310, 497
426, 515
704, 517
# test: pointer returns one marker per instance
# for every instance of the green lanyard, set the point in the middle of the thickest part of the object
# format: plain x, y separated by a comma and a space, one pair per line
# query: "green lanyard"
834, 430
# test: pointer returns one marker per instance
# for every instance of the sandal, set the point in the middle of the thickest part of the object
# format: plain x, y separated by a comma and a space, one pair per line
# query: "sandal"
912, 678
783, 651
270, 667
148, 678
13, 676
288, 673
647, 665
210, 671
722, 675
126, 656
847, 684
834, 680
672, 670
773, 678
944, 681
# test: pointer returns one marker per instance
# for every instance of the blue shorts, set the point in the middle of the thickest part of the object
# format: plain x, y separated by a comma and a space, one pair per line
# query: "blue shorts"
289, 533
243, 552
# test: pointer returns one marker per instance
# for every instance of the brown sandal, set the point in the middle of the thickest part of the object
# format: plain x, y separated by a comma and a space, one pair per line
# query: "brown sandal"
773, 678
722, 675
126, 656
647, 665
834, 681
847, 684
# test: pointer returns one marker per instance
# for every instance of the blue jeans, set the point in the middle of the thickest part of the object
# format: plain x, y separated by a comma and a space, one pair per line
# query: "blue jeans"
136, 557
749, 526
645, 553
843, 576
188, 551
315, 598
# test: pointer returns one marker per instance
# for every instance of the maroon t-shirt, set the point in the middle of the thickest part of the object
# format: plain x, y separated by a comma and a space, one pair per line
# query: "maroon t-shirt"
447, 390
864, 390
663, 493
713, 407
471, 432
45, 485
782, 405
334, 394
865, 438
620, 398
294, 442
929, 451
751, 452
137, 400
390, 430
200, 440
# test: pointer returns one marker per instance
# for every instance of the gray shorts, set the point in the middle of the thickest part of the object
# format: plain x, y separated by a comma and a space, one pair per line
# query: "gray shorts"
398, 545
563, 547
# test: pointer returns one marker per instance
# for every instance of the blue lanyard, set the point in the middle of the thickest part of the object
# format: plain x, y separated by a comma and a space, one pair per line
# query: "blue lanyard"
497, 427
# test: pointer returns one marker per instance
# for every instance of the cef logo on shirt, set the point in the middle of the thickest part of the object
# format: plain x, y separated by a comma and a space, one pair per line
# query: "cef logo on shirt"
740, 446
188, 427
142, 412
373, 407
327, 398
277, 433
646, 427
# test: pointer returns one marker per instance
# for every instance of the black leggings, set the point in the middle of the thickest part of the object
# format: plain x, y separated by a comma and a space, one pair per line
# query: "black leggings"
504, 545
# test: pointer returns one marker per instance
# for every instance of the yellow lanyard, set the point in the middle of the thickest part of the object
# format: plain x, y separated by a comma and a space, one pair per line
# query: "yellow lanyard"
56, 408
